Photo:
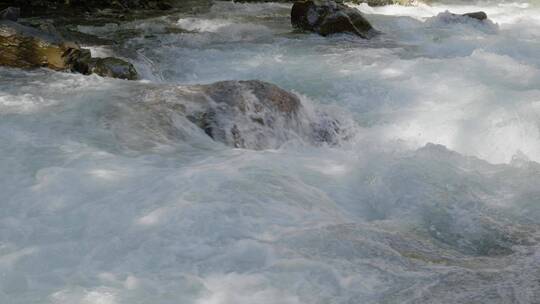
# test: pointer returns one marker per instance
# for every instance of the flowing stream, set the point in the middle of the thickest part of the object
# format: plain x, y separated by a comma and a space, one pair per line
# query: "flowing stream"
432, 197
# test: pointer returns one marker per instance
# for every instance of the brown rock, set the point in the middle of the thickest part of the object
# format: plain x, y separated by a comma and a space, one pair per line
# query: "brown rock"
26, 47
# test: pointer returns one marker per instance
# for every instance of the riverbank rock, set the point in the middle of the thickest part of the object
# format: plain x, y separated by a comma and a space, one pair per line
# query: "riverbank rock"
27, 47
327, 17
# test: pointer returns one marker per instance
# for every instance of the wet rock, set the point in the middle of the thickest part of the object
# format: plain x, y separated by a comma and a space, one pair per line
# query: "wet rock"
269, 95
327, 17
242, 114
10, 13
258, 115
106, 67
475, 19
26, 47
327, 129
477, 15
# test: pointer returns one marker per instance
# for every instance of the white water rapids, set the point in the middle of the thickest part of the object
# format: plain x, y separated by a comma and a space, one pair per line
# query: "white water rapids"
434, 198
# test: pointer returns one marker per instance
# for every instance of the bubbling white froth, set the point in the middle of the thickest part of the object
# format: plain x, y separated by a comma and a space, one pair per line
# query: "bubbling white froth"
433, 197
424, 80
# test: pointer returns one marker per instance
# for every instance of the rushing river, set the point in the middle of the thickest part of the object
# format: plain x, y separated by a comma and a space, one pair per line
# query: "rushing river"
433, 197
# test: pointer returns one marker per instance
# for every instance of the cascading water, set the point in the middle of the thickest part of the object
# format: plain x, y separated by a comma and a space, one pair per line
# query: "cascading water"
431, 194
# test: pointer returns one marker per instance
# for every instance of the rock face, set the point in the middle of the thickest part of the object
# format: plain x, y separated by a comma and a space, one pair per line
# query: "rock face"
328, 17
27, 47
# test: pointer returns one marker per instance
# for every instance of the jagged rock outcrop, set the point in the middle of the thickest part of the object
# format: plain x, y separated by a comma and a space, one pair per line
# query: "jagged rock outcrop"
327, 17
27, 47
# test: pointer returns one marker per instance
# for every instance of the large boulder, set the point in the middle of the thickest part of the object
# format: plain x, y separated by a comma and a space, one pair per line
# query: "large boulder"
327, 17
242, 114
259, 115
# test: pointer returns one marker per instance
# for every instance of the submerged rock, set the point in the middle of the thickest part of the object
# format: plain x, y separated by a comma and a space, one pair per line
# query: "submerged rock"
269, 95
327, 17
242, 114
249, 114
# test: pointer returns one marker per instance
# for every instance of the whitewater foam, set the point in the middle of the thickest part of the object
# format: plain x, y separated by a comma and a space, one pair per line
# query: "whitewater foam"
432, 197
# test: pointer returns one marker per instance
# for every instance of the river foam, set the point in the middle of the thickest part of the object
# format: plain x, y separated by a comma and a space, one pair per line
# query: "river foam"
432, 197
